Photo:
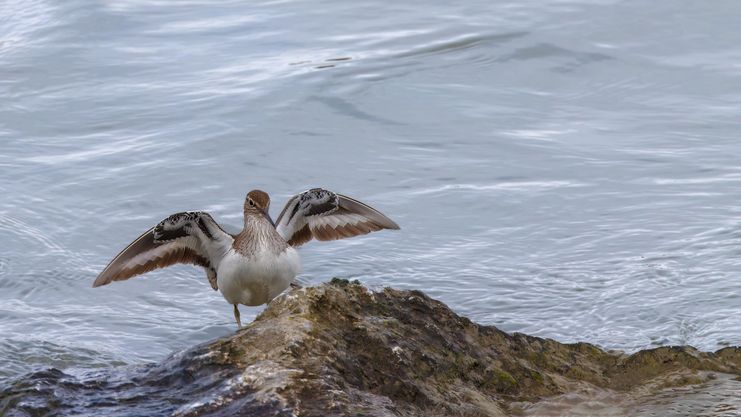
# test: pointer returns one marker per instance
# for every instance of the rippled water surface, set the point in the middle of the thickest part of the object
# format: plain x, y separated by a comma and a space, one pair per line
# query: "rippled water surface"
568, 169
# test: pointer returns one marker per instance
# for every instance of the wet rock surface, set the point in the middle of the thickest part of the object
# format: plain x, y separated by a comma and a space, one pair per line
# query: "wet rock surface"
340, 349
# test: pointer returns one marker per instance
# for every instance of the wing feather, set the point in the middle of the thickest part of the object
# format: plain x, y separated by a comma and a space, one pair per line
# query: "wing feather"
187, 238
325, 215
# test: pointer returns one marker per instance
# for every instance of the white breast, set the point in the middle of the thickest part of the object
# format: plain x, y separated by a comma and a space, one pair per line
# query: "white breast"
258, 279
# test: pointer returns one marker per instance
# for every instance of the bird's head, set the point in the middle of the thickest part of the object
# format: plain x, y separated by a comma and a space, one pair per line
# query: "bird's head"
257, 203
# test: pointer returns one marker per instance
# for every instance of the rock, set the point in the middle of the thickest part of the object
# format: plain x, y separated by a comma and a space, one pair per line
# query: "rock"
339, 349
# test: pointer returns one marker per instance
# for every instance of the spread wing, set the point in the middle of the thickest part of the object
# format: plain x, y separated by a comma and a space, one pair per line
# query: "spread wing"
324, 215
188, 238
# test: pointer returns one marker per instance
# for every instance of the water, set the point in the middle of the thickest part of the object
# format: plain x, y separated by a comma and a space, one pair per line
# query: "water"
568, 169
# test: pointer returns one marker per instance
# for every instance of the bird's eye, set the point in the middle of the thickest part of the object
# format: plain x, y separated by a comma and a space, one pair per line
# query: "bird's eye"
252, 203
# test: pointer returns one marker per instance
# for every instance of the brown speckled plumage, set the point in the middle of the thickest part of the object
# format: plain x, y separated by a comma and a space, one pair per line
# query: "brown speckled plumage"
258, 234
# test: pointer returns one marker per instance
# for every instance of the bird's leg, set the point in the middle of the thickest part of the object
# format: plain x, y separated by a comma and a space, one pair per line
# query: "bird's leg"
236, 316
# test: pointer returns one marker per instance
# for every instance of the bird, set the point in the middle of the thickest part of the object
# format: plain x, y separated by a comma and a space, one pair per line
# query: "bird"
257, 264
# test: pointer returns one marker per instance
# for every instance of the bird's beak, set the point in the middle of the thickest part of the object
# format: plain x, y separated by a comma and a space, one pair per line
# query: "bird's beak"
267, 216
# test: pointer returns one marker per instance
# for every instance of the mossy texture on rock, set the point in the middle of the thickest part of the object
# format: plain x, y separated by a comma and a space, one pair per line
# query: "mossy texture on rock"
341, 350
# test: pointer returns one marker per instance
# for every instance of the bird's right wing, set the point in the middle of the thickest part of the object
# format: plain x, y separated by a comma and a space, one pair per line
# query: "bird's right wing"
188, 238
325, 215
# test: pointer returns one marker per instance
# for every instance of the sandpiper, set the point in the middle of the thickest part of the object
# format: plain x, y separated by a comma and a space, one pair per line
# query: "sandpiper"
255, 265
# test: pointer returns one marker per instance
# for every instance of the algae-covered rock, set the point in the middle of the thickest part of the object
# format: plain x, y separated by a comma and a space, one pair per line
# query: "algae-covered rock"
341, 350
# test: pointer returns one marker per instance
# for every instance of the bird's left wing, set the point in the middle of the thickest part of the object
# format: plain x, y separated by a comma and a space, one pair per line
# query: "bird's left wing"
188, 238
325, 215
